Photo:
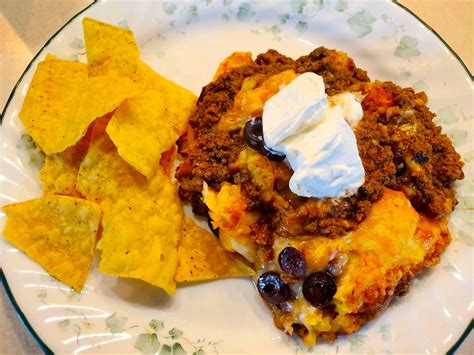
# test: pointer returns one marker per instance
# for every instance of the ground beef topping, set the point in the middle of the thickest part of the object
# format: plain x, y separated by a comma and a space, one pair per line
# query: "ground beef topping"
400, 147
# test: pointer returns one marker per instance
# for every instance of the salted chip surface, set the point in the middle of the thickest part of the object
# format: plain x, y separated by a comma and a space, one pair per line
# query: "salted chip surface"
141, 234
110, 50
103, 175
58, 232
59, 172
201, 257
62, 101
142, 218
149, 124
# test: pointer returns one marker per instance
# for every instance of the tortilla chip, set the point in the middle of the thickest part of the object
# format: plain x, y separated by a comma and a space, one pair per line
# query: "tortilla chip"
141, 234
62, 101
201, 257
144, 127
110, 50
103, 174
142, 218
59, 172
58, 232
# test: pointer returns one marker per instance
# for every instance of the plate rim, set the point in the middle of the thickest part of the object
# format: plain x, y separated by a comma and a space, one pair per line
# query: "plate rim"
3, 280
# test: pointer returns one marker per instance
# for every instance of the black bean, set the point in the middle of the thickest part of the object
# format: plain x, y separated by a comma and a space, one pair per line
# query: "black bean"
253, 135
319, 289
292, 262
271, 154
272, 288
420, 158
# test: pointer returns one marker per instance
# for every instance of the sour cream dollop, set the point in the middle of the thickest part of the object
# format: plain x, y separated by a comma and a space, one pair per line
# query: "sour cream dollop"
314, 132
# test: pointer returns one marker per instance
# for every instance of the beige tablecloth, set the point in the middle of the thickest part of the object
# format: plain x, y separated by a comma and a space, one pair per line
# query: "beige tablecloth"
25, 25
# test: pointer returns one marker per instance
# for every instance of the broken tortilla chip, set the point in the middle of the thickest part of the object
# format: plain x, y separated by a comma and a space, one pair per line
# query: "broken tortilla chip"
59, 172
103, 174
147, 125
142, 218
62, 101
141, 234
201, 257
110, 50
58, 232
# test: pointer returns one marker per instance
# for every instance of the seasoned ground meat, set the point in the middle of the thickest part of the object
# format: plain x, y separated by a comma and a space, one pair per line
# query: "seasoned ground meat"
400, 147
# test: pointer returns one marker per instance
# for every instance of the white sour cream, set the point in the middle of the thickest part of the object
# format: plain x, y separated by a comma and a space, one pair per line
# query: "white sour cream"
315, 134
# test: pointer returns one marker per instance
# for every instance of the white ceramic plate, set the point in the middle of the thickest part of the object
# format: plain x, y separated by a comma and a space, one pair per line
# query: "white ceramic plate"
185, 41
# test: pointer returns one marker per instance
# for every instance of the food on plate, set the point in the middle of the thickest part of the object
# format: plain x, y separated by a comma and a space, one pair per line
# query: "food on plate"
110, 50
337, 188
201, 257
236, 59
313, 132
58, 232
142, 220
331, 190
81, 117
62, 101
149, 124
228, 212
59, 172
350, 280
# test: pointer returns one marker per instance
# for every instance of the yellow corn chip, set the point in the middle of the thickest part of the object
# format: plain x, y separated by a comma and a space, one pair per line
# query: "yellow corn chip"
142, 218
110, 50
147, 79
144, 127
141, 233
201, 257
103, 174
62, 101
59, 172
58, 232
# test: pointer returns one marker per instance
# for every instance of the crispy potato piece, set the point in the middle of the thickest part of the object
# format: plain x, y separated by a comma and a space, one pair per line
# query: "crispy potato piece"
58, 232
202, 258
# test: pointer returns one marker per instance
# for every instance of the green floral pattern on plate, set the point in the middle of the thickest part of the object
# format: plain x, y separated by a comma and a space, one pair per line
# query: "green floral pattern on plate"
173, 343
407, 47
154, 340
361, 23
